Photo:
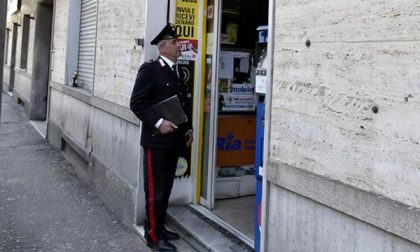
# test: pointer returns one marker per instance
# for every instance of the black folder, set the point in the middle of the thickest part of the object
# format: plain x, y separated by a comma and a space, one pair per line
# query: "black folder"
171, 110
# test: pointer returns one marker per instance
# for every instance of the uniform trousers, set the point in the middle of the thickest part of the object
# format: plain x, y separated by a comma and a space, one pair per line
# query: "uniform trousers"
159, 173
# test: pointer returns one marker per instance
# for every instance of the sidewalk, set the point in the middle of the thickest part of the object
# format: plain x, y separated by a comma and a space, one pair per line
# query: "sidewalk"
43, 206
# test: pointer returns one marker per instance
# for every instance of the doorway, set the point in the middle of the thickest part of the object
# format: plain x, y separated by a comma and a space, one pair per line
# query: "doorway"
41, 67
235, 45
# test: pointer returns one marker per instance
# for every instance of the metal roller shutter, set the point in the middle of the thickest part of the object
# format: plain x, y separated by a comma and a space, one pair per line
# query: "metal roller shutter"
87, 43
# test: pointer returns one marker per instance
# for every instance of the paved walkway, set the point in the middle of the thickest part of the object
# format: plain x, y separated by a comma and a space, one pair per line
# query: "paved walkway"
43, 206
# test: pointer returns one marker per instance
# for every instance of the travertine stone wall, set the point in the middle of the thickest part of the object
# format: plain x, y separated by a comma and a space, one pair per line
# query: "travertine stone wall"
118, 58
59, 41
31, 46
346, 93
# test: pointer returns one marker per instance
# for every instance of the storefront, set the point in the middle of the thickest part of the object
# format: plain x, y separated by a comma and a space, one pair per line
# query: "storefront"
224, 44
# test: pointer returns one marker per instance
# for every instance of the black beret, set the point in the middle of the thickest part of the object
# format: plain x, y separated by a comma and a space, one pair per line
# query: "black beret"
168, 32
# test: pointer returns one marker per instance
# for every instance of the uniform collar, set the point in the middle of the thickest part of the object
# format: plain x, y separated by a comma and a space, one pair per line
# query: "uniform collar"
168, 61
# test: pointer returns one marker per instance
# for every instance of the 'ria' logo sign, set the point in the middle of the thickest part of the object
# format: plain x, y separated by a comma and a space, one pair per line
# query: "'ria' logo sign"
229, 143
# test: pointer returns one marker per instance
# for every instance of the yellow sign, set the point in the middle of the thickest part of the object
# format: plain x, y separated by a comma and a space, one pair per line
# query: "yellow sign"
186, 19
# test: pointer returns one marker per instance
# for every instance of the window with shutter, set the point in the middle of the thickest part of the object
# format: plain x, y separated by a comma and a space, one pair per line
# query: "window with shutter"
25, 42
87, 44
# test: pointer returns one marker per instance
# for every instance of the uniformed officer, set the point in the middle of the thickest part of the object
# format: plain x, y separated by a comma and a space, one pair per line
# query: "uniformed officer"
162, 140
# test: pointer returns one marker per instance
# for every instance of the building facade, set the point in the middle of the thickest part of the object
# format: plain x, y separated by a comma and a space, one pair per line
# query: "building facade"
340, 167
343, 166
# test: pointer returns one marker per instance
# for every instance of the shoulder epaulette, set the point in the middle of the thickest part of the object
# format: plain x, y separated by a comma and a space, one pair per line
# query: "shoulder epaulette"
162, 63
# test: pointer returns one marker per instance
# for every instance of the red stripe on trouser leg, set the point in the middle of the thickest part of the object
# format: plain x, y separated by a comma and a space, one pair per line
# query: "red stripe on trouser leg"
150, 199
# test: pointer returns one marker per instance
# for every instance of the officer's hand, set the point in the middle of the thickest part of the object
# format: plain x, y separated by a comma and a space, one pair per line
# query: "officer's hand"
189, 137
167, 127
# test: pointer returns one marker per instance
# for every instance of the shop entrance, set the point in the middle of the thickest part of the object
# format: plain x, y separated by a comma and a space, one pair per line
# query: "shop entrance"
235, 45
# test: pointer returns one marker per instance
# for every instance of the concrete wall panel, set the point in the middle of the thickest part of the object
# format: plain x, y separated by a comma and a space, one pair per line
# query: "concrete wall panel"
56, 107
76, 120
117, 194
300, 224
108, 145
116, 143
117, 55
23, 85
6, 76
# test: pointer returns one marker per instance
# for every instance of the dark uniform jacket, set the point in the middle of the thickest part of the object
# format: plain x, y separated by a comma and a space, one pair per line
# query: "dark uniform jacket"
155, 82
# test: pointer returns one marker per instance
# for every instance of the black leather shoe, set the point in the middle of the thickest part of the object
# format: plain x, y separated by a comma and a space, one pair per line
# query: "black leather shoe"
162, 246
169, 235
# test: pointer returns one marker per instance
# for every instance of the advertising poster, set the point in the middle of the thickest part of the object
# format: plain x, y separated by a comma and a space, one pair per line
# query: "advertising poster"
187, 24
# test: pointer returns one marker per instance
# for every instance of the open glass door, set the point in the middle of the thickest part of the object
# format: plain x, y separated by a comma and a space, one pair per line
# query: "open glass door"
210, 104
236, 46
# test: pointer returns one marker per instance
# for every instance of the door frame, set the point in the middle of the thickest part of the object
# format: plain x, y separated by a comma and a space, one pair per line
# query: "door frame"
209, 202
202, 204
267, 116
